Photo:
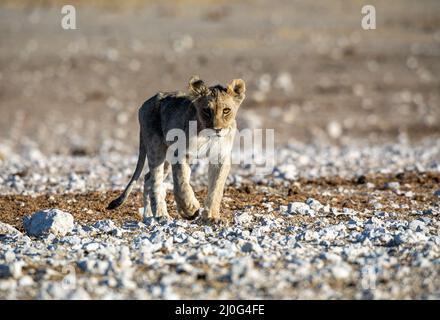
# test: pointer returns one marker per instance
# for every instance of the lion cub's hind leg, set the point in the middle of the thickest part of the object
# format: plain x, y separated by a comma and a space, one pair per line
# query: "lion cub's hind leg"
156, 153
157, 192
147, 212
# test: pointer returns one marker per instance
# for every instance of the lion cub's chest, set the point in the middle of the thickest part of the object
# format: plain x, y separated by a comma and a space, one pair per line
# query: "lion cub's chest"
211, 146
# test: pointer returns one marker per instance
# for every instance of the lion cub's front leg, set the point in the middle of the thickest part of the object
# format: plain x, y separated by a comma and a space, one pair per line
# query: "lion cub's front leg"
187, 204
217, 175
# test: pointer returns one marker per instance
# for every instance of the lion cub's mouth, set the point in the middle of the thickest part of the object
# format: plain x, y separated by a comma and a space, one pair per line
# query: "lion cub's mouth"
221, 132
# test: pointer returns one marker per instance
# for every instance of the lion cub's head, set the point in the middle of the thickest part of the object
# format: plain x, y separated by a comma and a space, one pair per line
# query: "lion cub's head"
217, 106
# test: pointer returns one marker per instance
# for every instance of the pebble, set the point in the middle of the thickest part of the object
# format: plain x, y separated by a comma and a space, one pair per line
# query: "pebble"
52, 221
286, 171
392, 185
341, 271
91, 246
417, 226
242, 218
25, 281
240, 268
334, 129
6, 229
314, 204
300, 208
157, 237
107, 227
247, 247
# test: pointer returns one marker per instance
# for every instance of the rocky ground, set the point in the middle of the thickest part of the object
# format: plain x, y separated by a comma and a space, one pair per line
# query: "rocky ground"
350, 208
311, 229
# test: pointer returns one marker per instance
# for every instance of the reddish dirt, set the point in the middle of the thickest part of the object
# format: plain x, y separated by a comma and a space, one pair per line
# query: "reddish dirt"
91, 207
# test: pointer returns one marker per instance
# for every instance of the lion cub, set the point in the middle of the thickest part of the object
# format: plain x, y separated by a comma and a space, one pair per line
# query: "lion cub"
211, 109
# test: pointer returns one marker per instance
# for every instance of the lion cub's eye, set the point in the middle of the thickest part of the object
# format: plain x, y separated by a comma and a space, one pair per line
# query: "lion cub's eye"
226, 111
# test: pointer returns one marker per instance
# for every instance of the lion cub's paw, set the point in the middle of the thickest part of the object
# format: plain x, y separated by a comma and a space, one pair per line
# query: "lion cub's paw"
190, 216
207, 219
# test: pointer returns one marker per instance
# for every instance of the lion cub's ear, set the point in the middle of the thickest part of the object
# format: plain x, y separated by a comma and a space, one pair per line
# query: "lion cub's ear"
237, 88
197, 86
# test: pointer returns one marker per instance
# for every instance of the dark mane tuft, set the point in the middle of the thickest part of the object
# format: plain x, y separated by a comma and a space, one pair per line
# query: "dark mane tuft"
215, 90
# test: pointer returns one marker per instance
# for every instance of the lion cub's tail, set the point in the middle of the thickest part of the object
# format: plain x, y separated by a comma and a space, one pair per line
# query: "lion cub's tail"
139, 166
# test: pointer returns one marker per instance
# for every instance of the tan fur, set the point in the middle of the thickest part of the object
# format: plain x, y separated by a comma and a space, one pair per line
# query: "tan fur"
214, 108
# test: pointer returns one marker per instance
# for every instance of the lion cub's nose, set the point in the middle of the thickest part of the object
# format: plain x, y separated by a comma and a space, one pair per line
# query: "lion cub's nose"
217, 131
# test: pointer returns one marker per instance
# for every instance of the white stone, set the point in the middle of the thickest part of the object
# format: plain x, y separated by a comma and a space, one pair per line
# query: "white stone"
334, 129
287, 171
300, 208
242, 218
417, 225
106, 226
341, 271
392, 185
284, 82
314, 204
91, 246
146, 245
25, 281
8, 229
9, 256
51, 221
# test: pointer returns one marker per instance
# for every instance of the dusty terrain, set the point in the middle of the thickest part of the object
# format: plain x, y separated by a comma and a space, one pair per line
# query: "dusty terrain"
86, 85
423, 185
357, 125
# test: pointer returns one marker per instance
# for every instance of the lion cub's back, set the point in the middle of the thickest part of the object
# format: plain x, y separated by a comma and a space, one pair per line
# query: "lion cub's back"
166, 111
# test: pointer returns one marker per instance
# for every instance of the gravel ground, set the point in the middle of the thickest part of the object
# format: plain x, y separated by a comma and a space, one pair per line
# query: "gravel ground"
31, 172
329, 222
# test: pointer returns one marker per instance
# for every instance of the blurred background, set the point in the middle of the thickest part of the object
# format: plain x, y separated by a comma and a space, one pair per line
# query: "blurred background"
312, 72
